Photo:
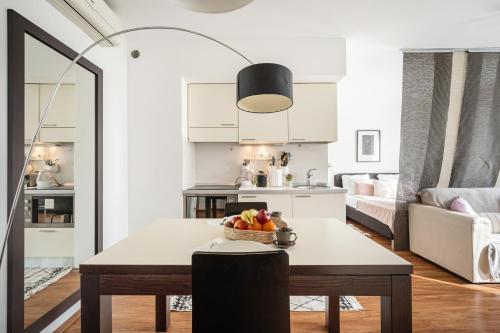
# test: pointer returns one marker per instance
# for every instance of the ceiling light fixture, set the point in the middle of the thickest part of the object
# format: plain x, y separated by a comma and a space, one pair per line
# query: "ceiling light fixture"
212, 6
264, 88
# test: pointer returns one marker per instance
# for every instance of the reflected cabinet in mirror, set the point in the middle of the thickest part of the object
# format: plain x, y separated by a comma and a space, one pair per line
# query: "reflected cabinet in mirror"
60, 224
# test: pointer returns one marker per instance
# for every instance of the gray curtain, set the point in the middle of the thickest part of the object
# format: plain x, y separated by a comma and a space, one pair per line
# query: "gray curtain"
426, 96
477, 154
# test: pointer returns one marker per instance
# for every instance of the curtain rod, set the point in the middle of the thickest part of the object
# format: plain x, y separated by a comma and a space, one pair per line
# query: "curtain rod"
436, 50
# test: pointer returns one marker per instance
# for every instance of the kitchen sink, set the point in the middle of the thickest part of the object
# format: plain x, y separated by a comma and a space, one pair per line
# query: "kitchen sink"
311, 187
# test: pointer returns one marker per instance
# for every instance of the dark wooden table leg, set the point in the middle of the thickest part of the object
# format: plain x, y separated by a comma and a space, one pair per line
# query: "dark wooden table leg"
162, 313
95, 308
396, 310
332, 313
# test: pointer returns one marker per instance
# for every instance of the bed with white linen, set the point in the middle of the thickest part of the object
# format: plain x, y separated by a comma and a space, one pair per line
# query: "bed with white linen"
382, 209
376, 213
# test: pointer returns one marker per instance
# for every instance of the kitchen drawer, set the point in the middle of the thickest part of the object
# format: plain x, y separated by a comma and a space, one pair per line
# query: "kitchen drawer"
48, 242
203, 134
319, 206
275, 202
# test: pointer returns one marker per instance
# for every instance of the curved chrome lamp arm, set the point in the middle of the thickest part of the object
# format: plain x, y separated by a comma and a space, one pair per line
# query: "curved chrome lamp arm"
54, 92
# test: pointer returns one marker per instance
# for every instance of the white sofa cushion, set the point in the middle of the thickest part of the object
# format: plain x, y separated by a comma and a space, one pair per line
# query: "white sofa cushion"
494, 219
481, 199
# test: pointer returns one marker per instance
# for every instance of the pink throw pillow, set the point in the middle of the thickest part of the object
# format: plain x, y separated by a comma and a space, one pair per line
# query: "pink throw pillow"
364, 187
461, 205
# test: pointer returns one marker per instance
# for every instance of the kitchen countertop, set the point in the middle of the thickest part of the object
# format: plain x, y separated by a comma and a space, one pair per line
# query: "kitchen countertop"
61, 190
264, 190
49, 225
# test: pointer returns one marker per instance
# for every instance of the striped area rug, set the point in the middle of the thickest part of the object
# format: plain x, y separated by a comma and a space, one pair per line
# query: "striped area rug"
297, 303
37, 278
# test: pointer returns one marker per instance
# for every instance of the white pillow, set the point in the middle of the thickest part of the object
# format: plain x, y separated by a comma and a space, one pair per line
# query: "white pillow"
348, 182
393, 177
385, 189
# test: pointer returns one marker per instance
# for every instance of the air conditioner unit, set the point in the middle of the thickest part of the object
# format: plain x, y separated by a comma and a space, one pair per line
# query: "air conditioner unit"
94, 17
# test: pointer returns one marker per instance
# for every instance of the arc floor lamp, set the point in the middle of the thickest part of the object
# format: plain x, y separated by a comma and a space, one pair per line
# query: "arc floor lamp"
261, 88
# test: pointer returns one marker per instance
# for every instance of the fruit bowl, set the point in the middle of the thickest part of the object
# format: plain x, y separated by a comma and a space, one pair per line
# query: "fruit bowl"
238, 227
265, 237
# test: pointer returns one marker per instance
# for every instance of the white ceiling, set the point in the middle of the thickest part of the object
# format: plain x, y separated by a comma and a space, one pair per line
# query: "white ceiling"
394, 23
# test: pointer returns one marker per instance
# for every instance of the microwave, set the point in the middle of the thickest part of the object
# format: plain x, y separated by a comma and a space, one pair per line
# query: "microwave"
48, 208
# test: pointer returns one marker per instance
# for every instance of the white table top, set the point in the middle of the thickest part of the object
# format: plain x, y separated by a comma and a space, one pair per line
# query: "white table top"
322, 244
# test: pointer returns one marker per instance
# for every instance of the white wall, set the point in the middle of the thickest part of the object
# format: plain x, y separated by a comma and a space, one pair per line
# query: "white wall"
369, 97
157, 150
112, 61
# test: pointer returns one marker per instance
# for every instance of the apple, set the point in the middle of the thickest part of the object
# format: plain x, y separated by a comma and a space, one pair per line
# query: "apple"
263, 216
240, 224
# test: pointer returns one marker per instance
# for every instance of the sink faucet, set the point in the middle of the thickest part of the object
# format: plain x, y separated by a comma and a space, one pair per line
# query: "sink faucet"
308, 176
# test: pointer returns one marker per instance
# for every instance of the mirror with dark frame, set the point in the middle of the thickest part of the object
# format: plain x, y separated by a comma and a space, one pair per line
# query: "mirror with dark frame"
61, 215
59, 183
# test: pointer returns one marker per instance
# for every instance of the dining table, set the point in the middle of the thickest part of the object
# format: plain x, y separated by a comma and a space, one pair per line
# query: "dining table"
330, 258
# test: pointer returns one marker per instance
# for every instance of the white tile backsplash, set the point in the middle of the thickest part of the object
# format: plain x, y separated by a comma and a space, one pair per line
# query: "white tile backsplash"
63, 152
219, 163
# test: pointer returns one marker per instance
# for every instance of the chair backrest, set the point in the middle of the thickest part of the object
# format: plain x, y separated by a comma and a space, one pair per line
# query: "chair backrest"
241, 292
235, 208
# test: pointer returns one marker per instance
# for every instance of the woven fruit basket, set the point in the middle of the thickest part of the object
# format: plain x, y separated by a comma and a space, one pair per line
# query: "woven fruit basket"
265, 237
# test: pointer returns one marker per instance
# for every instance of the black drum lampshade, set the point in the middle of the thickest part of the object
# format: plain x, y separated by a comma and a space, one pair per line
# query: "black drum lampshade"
264, 88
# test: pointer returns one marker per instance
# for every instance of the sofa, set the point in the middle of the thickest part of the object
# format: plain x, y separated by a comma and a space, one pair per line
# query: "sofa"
456, 241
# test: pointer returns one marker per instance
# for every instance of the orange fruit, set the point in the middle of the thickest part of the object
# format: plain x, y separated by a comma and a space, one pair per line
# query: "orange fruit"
255, 226
240, 224
269, 226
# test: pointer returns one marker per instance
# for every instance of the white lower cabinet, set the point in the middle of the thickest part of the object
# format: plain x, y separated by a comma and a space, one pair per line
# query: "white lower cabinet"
48, 242
331, 205
319, 206
275, 202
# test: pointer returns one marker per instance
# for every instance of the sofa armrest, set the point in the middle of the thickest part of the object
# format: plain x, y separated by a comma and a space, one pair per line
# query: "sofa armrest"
453, 240
447, 216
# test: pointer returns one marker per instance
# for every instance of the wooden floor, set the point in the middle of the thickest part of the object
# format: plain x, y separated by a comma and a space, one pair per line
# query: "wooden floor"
442, 302
41, 302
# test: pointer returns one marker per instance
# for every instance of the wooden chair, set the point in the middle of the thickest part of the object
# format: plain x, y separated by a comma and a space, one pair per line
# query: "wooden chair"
235, 208
240, 292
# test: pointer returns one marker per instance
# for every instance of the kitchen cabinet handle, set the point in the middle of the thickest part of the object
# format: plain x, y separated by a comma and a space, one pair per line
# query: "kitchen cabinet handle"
302, 196
50, 125
298, 139
43, 230
248, 139
249, 196
227, 124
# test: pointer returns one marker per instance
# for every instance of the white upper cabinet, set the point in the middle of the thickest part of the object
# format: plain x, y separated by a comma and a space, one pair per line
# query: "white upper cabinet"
212, 112
263, 127
213, 116
63, 110
31, 110
313, 116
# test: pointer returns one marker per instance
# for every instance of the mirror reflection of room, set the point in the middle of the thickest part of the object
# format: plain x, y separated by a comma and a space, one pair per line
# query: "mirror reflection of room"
59, 228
